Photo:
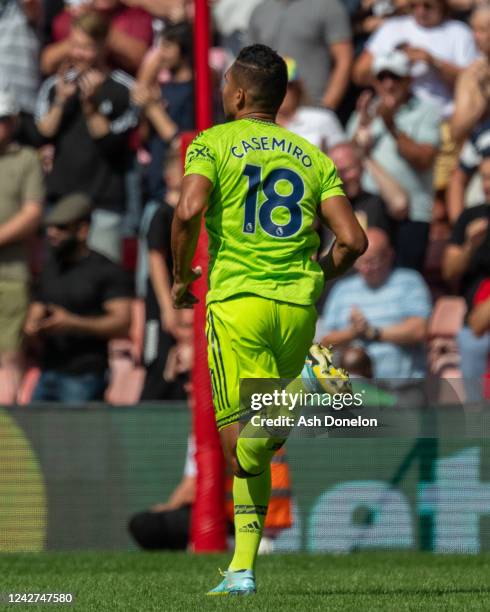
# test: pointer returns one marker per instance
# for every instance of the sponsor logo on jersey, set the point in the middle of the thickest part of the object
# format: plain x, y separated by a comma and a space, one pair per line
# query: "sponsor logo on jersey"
200, 152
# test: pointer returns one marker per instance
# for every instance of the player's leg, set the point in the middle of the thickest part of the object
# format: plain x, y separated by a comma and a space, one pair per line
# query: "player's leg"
272, 341
247, 338
293, 337
251, 495
236, 330
290, 340
250, 451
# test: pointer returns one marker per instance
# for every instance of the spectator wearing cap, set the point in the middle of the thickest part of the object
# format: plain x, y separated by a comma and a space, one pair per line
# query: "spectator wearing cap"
21, 200
81, 301
319, 126
317, 35
438, 48
401, 132
85, 111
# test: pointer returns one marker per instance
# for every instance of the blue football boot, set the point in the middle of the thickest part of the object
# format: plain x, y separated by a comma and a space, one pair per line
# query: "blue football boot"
240, 582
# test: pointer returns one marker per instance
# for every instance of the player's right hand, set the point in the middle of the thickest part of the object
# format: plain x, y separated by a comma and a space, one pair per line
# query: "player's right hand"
181, 294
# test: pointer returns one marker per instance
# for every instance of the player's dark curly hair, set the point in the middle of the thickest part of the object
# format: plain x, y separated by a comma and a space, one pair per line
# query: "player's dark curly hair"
264, 74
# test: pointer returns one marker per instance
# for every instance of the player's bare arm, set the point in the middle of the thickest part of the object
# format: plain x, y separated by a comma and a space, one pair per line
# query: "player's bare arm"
186, 226
350, 240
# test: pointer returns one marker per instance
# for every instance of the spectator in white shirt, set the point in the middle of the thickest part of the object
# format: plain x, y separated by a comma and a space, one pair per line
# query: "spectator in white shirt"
439, 48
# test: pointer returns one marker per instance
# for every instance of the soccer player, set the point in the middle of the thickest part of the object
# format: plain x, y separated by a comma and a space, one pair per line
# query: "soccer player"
261, 188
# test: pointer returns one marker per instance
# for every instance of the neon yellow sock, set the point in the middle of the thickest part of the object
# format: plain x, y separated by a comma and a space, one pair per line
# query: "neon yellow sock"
251, 499
255, 449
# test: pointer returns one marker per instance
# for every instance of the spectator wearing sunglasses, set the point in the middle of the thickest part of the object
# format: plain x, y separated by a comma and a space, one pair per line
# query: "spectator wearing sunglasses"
401, 133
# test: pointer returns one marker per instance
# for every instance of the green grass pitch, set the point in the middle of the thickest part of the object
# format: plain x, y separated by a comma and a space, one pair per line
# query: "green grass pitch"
168, 582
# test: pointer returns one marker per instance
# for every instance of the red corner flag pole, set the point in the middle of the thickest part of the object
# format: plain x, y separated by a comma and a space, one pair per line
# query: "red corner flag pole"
208, 529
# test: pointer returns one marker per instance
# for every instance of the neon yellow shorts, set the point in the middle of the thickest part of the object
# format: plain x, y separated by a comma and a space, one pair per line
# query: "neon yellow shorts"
254, 337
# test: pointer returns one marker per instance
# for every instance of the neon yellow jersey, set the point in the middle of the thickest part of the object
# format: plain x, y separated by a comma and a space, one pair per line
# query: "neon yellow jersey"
268, 184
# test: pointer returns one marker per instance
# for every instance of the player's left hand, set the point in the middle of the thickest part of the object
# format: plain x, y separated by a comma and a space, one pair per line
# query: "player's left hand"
181, 294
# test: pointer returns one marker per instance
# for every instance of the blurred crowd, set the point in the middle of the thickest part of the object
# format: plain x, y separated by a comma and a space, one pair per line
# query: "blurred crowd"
95, 97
